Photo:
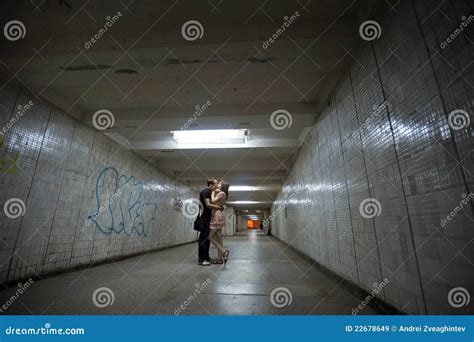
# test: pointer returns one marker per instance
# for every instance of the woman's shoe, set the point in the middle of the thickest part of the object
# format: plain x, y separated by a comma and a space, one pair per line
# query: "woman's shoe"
225, 256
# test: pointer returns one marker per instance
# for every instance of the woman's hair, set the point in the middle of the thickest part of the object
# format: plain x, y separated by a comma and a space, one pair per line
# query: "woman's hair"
225, 188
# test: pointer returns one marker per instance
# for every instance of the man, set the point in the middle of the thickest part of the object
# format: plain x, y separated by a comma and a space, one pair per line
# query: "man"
204, 244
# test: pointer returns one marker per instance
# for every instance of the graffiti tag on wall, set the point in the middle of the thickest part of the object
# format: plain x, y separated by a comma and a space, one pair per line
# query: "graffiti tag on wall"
123, 207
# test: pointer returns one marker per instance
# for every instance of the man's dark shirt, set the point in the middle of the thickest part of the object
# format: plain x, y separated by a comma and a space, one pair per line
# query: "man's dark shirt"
206, 213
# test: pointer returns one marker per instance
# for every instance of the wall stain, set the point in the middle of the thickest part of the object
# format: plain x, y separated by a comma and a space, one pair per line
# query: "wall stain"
9, 165
86, 67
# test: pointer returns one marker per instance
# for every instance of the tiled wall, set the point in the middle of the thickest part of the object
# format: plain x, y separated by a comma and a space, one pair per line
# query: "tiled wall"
59, 175
403, 154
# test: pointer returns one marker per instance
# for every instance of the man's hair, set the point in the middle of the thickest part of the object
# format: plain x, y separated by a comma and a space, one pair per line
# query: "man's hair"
211, 181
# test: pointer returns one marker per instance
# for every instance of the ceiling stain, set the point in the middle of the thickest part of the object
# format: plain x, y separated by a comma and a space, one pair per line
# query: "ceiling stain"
261, 60
87, 67
175, 61
126, 71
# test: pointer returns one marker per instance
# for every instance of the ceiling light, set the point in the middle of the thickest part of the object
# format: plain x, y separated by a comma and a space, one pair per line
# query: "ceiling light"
268, 188
241, 188
210, 137
243, 202
248, 202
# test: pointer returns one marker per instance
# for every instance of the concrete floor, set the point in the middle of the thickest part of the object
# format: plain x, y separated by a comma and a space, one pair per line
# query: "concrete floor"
160, 282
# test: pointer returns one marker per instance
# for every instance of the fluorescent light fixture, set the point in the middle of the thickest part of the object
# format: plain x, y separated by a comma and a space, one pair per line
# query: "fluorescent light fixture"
248, 202
242, 188
250, 188
210, 137
244, 202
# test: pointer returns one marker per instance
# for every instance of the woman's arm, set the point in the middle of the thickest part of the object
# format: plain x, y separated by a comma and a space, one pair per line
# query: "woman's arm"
213, 196
212, 206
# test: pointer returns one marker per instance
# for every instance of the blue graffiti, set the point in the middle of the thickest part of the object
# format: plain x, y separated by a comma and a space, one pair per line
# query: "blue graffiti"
122, 206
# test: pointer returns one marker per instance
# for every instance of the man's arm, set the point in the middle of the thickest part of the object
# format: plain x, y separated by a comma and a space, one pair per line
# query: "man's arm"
212, 206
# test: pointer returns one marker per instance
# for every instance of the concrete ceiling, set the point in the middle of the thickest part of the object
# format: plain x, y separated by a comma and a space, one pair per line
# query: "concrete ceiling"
144, 72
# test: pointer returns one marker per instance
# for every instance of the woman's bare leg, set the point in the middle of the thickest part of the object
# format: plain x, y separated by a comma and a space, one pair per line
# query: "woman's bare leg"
214, 240
219, 240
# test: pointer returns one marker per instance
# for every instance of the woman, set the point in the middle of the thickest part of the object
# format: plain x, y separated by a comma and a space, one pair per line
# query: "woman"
218, 197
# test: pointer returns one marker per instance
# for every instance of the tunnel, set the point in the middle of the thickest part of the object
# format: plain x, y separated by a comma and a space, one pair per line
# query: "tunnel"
330, 142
